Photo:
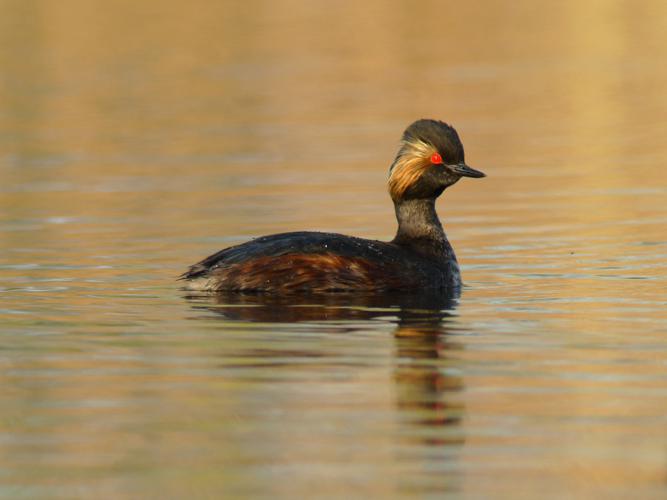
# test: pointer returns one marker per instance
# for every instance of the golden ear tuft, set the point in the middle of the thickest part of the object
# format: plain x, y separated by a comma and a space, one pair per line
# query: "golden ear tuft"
412, 160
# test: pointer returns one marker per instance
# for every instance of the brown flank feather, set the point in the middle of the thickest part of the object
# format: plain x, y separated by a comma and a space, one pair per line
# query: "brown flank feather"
314, 273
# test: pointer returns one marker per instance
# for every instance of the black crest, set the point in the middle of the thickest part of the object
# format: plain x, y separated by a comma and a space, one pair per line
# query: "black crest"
438, 134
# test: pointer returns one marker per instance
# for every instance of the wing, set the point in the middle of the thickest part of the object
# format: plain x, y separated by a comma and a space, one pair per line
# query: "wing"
279, 244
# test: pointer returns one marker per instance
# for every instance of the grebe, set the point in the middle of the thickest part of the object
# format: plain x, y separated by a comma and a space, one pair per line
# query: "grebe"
429, 160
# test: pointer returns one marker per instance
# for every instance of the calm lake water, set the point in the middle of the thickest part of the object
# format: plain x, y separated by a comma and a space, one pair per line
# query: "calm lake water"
139, 137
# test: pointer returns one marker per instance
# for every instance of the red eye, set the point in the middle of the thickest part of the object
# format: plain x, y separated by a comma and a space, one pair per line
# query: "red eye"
436, 159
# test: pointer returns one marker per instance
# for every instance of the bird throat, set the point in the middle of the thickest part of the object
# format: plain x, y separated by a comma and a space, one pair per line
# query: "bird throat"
419, 227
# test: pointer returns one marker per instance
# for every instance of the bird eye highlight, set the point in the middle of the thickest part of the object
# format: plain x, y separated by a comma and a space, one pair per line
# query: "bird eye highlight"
436, 159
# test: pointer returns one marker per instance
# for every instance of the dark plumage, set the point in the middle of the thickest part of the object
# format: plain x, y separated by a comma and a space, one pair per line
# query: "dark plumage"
430, 159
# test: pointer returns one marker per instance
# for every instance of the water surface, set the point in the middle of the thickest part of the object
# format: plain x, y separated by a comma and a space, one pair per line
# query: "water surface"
137, 139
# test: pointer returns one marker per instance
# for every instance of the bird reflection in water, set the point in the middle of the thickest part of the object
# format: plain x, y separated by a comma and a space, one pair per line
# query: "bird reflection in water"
425, 386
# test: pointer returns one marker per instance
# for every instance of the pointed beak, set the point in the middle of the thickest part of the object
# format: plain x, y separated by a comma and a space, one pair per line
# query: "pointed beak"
465, 171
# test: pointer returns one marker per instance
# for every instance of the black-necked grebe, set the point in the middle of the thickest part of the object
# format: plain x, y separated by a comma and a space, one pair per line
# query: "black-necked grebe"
429, 160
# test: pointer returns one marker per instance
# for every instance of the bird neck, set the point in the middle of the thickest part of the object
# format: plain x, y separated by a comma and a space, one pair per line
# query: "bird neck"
419, 227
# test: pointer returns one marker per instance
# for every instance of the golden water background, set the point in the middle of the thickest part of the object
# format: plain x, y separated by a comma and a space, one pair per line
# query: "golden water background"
138, 137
